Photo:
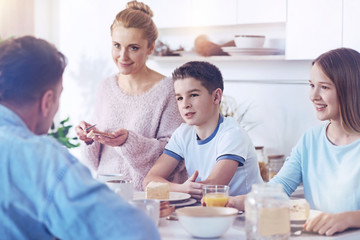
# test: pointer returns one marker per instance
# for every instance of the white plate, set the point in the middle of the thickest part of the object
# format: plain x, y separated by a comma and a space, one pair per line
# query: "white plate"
184, 203
174, 196
251, 51
187, 53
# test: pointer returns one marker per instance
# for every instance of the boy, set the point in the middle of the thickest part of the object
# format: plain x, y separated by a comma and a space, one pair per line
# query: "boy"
216, 149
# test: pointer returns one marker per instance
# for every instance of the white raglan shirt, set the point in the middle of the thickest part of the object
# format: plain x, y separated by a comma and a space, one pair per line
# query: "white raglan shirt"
228, 141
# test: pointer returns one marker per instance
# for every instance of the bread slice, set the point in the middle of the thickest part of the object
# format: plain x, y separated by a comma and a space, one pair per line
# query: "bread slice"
299, 209
157, 190
92, 133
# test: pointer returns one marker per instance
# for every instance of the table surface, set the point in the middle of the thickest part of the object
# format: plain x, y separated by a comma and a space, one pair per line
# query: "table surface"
172, 230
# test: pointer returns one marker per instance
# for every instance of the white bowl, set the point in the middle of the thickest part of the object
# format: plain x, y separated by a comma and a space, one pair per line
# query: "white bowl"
206, 222
249, 41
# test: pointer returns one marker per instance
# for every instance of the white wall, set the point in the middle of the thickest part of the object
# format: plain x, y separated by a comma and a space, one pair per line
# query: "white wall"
16, 18
275, 90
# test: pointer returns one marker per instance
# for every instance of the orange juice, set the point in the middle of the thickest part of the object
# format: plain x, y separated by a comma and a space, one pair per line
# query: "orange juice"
215, 200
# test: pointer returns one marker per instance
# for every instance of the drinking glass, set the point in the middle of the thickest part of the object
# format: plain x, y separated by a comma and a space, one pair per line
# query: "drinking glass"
150, 206
215, 195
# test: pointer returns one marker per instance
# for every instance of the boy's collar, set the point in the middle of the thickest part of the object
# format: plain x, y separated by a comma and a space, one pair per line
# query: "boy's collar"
208, 139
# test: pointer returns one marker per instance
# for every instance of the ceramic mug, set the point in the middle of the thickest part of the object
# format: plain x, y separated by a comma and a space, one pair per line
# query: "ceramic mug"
122, 187
150, 206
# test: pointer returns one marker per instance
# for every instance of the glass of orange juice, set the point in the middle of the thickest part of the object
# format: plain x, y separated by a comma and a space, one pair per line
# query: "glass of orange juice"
215, 195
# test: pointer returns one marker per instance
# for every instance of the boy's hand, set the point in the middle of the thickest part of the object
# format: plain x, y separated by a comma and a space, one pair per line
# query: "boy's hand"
193, 188
236, 202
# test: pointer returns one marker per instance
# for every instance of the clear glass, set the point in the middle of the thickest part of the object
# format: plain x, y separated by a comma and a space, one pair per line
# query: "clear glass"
215, 195
275, 164
267, 214
262, 162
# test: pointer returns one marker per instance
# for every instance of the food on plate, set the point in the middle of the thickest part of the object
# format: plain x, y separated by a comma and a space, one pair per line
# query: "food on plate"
92, 133
157, 190
299, 209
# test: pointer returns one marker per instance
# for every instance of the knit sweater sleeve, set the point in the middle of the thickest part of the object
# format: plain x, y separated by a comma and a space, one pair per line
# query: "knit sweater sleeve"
144, 151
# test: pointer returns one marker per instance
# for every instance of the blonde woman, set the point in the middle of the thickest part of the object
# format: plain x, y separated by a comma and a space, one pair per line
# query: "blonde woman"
136, 105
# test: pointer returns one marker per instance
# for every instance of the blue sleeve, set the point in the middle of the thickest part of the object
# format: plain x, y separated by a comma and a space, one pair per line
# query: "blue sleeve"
88, 209
236, 158
172, 154
174, 147
290, 175
235, 144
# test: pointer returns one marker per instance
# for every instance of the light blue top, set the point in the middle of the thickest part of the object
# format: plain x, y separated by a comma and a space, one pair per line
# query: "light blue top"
330, 174
45, 192
228, 141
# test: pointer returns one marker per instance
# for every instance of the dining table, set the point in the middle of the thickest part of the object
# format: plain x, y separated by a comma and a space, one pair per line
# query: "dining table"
171, 229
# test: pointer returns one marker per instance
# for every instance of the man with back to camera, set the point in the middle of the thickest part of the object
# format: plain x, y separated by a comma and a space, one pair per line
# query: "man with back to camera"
47, 193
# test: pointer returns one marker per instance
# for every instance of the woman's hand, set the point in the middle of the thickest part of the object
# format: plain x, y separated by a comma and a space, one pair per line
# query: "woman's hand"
191, 187
119, 137
81, 132
328, 224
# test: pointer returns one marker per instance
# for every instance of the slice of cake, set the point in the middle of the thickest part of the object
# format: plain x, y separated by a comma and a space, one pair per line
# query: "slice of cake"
157, 190
299, 209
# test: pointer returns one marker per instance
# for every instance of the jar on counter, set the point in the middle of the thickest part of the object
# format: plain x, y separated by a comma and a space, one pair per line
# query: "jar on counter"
267, 214
275, 163
262, 162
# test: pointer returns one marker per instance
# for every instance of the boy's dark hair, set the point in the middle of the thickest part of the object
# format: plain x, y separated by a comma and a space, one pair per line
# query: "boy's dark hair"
208, 74
28, 67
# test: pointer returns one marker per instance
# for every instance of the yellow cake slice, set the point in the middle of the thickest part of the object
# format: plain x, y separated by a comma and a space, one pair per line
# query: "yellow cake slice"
157, 190
299, 209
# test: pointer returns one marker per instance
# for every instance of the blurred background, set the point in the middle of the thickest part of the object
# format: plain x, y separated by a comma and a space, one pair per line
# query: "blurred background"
266, 86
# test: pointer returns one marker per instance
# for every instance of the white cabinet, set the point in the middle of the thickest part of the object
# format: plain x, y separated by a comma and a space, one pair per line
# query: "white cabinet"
193, 13
313, 27
351, 23
261, 11
171, 13
200, 13
213, 12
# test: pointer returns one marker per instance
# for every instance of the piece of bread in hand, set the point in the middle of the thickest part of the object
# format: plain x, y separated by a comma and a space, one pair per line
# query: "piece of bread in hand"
93, 133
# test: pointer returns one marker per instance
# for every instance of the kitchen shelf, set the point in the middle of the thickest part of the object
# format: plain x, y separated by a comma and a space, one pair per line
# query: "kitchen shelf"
217, 58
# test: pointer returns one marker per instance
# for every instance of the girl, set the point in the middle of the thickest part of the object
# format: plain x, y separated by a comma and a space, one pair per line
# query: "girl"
326, 159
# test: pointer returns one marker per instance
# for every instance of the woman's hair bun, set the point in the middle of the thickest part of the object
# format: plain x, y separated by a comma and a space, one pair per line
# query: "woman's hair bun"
139, 6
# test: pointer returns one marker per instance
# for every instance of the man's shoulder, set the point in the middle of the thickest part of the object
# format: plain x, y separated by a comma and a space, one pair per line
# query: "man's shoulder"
20, 140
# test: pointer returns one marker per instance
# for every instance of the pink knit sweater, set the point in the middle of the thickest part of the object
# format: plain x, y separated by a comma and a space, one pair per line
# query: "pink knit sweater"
150, 118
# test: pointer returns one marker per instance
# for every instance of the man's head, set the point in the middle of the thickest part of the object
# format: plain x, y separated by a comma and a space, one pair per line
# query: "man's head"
31, 72
198, 89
